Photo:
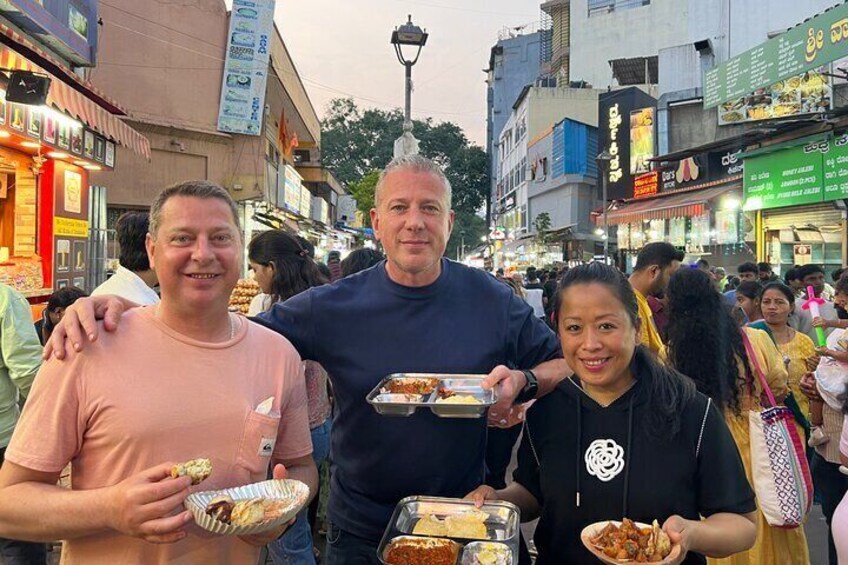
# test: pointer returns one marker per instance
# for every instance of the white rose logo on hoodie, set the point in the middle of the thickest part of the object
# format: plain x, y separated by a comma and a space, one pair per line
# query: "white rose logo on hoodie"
604, 459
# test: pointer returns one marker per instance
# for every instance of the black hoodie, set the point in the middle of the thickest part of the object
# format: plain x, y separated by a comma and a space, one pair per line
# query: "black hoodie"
585, 463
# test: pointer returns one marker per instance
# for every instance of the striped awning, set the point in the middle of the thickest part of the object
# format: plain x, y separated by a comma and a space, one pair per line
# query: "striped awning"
686, 204
73, 95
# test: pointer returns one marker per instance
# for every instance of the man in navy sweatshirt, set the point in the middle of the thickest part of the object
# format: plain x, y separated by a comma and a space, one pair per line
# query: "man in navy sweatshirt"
415, 312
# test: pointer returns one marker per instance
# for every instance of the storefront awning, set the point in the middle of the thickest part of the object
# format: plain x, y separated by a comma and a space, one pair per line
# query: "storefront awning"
70, 93
683, 204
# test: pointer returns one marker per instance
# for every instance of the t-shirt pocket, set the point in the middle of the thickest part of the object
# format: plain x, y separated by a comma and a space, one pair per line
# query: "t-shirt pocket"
257, 443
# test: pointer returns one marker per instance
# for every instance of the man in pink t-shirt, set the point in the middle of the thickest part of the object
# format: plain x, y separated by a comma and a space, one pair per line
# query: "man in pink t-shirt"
179, 381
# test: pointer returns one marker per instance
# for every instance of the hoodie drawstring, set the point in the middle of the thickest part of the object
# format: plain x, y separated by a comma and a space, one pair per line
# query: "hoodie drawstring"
627, 455
579, 458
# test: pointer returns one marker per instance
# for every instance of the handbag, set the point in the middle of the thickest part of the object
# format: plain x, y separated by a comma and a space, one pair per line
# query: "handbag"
779, 466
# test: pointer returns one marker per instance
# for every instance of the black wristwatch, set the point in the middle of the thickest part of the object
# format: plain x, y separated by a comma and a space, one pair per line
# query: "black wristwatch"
530, 389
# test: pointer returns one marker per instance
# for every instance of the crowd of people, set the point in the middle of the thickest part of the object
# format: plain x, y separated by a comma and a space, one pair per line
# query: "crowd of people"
627, 396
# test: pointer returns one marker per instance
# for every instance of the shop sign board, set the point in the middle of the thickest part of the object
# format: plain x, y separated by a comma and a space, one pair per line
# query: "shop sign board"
698, 169
805, 174
646, 185
807, 93
818, 41
836, 169
67, 26
641, 140
242, 105
69, 227
292, 190
614, 136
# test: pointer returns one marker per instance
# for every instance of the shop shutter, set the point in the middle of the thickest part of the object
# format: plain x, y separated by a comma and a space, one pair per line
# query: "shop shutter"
819, 215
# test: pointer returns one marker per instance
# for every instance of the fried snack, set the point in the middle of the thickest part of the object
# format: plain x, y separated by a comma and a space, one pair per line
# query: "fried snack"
470, 524
248, 512
628, 542
221, 508
198, 469
421, 551
486, 553
430, 525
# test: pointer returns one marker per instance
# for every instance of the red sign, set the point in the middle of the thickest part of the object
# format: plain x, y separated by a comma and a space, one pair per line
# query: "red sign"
646, 185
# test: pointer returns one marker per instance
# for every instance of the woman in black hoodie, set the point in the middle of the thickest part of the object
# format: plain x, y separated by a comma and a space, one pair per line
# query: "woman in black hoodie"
624, 437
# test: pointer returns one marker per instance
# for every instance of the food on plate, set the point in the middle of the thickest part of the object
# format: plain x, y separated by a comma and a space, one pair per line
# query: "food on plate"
760, 112
459, 399
248, 512
221, 508
243, 294
421, 551
733, 104
628, 542
486, 553
411, 386
470, 524
198, 469
732, 117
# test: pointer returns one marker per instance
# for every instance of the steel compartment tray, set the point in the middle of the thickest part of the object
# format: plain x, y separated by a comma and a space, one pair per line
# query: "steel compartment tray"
502, 524
405, 404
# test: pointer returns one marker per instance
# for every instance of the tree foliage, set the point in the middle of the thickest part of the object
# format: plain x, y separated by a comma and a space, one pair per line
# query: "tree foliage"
357, 143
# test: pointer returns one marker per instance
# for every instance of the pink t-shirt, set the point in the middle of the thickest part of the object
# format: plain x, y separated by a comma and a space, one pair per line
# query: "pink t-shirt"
839, 523
145, 395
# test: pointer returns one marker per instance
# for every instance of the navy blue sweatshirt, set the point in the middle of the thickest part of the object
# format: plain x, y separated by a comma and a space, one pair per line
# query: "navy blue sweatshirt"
365, 327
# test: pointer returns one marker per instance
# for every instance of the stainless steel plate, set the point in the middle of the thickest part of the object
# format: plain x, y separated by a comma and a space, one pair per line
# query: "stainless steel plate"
404, 404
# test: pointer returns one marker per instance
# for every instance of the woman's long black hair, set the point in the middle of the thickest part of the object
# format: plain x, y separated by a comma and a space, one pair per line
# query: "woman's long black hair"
704, 341
294, 269
668, 391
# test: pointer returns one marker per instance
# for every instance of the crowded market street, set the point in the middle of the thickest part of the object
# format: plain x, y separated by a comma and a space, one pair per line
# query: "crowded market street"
294, 283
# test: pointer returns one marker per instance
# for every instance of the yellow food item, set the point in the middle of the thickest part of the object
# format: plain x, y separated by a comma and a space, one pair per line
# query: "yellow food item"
469, 525
459, 399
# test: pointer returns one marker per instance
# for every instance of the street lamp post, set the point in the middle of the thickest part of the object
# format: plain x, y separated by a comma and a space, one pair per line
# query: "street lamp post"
408, 34
603, 160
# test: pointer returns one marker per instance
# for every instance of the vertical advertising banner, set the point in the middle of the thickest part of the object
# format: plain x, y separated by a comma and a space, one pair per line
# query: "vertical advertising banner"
616, 111
246, 68
641, 140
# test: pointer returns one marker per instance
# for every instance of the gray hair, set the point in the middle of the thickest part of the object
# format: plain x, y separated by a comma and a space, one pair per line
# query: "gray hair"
194, 189
418, 164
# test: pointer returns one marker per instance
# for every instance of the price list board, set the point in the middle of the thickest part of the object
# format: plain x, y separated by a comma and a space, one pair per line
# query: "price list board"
806, 174
836, 169
819, 41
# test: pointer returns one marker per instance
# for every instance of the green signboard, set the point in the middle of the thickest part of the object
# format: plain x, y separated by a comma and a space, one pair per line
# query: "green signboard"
836, 169
821, 40
809, 173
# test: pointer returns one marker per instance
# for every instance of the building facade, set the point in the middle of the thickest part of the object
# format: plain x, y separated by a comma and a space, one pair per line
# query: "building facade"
513, 65
51, 146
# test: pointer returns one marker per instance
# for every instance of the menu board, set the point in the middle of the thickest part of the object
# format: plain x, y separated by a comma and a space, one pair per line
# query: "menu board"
836, 169
785, 178
818, 41
242, 103
292, 192
699, 231
807, 93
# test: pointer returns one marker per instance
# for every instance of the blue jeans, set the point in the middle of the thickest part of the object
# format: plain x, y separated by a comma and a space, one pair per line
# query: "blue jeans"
344, 548
295, 546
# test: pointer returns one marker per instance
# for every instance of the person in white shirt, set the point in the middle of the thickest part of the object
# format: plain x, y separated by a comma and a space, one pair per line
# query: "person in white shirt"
134, 279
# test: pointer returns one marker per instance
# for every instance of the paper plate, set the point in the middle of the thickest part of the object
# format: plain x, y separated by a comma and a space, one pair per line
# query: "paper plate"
593, 529
294, 492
